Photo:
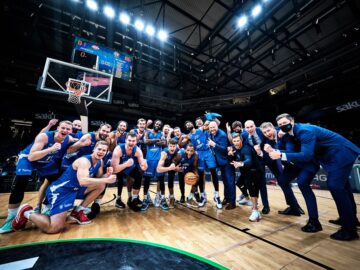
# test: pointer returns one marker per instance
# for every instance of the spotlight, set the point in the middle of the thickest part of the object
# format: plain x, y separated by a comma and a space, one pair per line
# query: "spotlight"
256, 11
109, 12
124, 18
139, 25
92, 5
242, 21
150, 30
162, 35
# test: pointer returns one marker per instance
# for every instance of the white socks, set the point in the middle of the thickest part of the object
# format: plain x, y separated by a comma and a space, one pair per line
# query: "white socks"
28, 213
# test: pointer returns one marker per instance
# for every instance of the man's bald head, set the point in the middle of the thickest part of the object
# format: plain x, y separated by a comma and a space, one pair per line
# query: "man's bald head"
250, 126
213, 127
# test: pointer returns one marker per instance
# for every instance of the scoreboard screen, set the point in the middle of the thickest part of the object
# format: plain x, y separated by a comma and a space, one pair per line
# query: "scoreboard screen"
91, 55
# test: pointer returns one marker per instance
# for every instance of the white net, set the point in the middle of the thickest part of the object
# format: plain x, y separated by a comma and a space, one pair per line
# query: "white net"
76, 90
74, 98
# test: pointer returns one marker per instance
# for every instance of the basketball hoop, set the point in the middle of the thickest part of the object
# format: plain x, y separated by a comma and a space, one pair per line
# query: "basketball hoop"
76, 90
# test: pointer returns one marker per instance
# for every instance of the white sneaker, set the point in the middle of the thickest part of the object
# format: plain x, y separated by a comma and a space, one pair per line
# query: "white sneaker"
255, 216
241, 197
203, 201
218, 202
245, 201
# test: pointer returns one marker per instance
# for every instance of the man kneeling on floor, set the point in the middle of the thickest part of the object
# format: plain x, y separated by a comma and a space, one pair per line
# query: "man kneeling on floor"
83, 180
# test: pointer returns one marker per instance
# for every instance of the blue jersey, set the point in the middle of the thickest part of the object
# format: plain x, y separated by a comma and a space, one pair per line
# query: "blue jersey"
169, 156
153, 152
121, 139
62, 193
77, 135
69, 158
87, 150
185, 162
141, 141
69, 178
124, 157
199, 140
47, 164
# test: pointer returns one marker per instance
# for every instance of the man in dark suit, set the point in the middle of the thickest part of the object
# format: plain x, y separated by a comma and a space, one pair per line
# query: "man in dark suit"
218, 143
336, 155
288, 171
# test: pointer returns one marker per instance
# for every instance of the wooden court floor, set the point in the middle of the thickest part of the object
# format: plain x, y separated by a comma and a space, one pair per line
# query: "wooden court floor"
226, 237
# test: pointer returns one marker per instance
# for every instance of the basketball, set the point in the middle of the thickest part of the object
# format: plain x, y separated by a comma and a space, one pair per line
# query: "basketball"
191, 178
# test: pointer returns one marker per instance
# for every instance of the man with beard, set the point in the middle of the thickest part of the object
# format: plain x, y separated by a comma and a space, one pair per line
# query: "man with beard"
154, 143
142, 125
167, 164
84, 179
206, 161
218, 142
336, 155
236, 127
87, 142
64, 162
128, 158
40, 156
290, 171
86, 145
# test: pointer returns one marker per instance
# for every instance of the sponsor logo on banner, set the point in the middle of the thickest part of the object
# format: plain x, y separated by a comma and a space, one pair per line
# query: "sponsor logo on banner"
348, 106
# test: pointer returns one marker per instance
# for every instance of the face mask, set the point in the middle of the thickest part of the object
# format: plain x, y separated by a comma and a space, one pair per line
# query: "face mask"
286, 128
75, 130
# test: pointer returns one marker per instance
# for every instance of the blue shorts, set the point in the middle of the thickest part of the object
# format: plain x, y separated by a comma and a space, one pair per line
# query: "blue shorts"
206, 160
25, 167
62, 199
151, 170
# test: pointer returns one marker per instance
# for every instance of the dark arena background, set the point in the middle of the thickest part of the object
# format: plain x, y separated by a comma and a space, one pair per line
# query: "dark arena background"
177, 60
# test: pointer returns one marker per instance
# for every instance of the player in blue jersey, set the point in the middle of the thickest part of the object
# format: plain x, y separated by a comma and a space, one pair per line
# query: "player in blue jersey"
76, 134
128, 158
154, 142
188, 159
40, 156
199, 138
165, 165
86, 145
83, 180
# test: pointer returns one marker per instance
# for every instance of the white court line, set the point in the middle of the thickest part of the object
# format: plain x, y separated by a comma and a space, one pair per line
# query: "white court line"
19, 265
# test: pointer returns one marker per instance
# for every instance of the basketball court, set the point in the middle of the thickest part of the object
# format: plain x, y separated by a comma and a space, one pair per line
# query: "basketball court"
222, 239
